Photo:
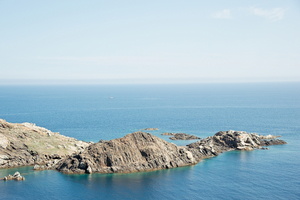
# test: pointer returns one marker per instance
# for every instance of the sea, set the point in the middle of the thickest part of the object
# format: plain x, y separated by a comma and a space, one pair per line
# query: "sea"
95, 112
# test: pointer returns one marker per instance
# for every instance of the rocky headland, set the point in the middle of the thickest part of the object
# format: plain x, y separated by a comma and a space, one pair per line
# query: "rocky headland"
27, 144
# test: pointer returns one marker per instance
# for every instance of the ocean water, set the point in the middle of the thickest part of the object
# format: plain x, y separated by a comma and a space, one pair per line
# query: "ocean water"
87, 113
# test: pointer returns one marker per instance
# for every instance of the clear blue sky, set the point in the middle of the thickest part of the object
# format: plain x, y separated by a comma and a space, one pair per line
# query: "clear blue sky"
71, 41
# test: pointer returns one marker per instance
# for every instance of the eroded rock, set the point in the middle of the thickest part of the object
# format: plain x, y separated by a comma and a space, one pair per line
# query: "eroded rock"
268, 137
141, 151
150, 129
17, 176
184, 136
271, 142
168, 133
27, 144
135, 152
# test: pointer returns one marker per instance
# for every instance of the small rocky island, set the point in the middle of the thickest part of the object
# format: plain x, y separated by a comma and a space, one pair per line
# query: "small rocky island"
27, 144
181, 136
150, 129
17, 176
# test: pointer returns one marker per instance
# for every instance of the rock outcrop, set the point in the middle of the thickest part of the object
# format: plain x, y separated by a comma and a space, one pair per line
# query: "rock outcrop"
184, 136
166, 133
229, 140
135, 152
150, 129
268, 137
17, 176
28, 144
181, 136
141, 151
271, 142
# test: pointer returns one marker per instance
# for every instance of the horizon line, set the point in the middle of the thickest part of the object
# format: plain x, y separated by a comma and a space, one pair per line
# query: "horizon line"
133, 82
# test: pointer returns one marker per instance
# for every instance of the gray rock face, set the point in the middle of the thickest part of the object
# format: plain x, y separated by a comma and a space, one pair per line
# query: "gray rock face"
17, 176
268, 137
49, 165
150, 129
184, 136
141, 151
168, 133
135, 152
271, 142
27, 144
38, 167
229, 140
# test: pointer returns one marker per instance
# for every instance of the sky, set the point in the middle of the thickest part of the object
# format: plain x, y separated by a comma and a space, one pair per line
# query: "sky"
158, 41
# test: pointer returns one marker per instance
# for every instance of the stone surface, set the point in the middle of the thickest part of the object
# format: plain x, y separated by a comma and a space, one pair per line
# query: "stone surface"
150, 129
184, 136
28, 144
168, 133
17, 176
271, 142
135, 152
269, 137
3, 141
229, 140
141, 151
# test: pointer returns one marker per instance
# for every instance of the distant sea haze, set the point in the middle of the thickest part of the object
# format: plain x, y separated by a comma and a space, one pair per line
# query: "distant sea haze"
87, 112
149, 81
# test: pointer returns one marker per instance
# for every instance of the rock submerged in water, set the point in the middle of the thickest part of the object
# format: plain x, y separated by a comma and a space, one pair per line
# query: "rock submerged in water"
141, 151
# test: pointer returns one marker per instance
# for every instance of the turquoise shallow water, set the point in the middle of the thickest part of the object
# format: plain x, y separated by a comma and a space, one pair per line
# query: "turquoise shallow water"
87, 113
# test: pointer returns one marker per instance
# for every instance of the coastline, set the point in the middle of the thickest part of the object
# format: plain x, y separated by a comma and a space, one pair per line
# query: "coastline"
135, 152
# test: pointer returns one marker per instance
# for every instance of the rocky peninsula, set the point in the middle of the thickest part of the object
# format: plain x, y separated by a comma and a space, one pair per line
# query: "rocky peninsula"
142, 151
27, 144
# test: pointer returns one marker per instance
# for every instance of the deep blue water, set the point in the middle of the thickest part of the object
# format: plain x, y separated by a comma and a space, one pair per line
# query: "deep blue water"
87, 113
